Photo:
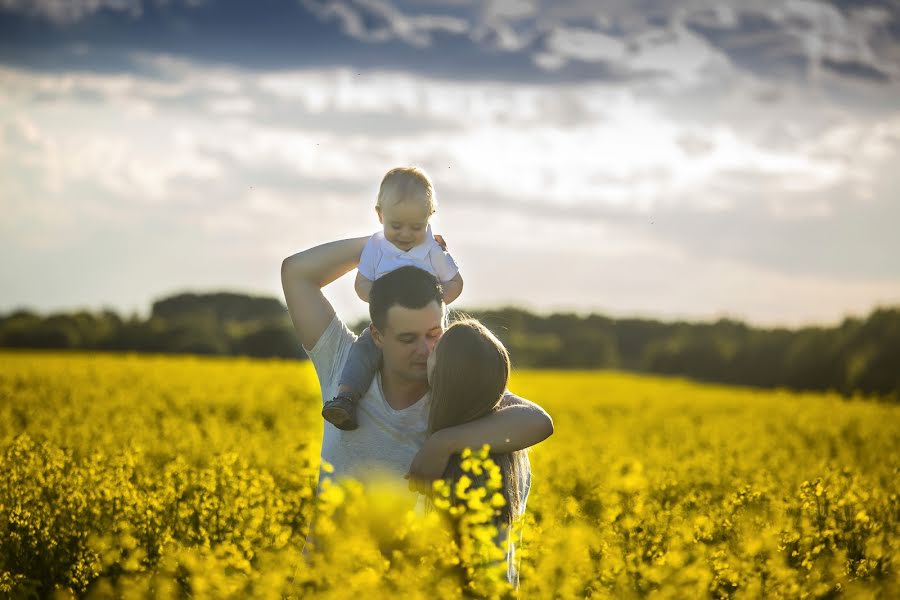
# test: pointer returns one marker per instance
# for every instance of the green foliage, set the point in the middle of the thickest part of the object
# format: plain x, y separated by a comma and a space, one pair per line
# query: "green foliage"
860, 356
222, 306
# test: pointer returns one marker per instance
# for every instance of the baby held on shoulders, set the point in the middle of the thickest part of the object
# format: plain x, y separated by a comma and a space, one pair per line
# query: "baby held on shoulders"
405, 204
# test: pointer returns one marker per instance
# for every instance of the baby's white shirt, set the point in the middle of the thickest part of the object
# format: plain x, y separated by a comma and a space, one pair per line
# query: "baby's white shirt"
380, 257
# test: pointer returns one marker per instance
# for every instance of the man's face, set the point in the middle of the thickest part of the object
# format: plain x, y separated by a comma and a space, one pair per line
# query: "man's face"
408, 339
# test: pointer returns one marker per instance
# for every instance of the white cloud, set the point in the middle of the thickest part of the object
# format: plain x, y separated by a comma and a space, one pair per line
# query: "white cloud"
66, 12
511, 9
134, 171
537, 171
839, 42
680, 54
565, 44
590, 144
235, 105
356, 17
850, 42
828, 34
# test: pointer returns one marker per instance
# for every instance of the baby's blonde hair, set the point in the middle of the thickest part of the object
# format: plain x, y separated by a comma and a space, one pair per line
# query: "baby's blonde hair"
404, 183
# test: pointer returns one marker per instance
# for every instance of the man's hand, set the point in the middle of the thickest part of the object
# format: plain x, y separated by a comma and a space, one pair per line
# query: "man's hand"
428, 464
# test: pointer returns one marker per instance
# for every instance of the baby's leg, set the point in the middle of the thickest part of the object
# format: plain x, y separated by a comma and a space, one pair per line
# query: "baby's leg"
355, 379
359, 371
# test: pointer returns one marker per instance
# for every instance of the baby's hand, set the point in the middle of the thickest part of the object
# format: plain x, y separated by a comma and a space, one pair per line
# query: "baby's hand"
440, 240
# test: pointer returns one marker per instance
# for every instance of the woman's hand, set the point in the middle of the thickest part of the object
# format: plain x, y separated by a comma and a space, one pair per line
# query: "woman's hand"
429, 464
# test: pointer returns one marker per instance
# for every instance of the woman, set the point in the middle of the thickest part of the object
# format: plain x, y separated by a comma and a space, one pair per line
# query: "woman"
468, 372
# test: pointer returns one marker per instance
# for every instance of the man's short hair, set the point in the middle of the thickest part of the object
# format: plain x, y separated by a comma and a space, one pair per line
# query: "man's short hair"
409, 287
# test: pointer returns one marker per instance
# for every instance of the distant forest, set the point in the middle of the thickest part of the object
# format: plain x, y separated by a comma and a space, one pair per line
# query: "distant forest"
859, 356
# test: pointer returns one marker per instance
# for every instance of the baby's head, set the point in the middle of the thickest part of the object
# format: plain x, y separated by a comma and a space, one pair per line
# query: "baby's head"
405, 203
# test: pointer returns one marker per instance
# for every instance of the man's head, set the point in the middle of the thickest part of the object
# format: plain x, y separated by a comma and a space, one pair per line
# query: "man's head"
408, 318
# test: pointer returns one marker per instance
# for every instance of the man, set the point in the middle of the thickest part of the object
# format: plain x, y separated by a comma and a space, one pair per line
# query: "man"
408, 318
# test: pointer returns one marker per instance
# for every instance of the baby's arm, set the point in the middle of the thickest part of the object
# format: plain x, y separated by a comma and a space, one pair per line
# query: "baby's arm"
453, 288
363, 286
444, 265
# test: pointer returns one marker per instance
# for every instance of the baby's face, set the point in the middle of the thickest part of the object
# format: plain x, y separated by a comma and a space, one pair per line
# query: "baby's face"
404, 223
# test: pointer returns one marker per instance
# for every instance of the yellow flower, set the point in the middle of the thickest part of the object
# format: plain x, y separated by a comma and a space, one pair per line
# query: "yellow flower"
462, 484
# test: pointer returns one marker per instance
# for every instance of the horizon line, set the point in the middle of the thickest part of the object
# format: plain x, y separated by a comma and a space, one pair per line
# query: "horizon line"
542, 313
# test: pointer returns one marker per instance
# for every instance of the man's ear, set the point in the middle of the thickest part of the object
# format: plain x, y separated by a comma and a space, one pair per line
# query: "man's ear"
378, 212
376, 335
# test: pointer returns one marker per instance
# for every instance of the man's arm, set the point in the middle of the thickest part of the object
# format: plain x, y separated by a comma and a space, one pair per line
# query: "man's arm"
520, 424
303, 275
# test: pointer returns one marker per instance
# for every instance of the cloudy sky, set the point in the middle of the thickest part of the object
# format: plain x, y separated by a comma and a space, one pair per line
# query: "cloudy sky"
690, 159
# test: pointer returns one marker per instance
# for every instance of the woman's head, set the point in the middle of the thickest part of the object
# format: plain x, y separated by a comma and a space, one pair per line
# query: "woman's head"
468, 372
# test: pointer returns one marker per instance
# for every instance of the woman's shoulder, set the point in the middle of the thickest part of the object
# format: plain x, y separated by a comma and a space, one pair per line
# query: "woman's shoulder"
510, 399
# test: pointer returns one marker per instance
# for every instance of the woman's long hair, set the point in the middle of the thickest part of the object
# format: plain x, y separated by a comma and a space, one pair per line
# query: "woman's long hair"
471, 372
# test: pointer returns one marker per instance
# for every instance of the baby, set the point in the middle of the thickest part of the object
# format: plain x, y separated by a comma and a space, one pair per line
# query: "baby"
405, 204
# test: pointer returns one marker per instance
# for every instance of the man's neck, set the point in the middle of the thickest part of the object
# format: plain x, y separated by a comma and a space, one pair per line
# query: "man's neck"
401, 393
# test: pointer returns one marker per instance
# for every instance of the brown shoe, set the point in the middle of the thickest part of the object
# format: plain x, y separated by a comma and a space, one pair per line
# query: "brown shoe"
341, 412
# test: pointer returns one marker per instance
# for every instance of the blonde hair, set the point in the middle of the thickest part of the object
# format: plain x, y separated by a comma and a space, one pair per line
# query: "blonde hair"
404, 183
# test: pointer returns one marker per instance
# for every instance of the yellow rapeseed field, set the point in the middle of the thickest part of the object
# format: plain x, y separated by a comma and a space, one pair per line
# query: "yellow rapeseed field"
142, 476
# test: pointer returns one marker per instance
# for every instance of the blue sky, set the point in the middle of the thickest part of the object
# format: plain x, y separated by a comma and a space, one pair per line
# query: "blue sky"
687, 159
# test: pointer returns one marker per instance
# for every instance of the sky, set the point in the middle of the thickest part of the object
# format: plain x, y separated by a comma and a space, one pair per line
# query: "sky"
675, 160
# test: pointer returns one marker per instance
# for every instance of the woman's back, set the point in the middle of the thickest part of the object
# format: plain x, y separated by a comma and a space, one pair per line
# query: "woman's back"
468, 372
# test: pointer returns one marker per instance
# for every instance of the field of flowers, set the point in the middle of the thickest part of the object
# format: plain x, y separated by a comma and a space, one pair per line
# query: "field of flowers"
164, 477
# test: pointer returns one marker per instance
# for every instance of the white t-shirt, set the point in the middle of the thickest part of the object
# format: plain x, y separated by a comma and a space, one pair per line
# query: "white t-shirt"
386, 440
380, 257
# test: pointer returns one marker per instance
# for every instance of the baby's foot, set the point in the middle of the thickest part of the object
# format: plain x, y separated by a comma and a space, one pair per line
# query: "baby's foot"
340, 411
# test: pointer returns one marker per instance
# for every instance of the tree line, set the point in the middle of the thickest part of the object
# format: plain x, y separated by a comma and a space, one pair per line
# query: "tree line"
858, 356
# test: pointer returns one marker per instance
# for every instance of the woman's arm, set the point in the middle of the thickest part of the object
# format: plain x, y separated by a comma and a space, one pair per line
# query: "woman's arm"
520, 424
509, 429
304, 274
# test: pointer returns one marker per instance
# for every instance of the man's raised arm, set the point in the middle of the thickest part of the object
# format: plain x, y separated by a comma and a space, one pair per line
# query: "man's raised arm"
304, 274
